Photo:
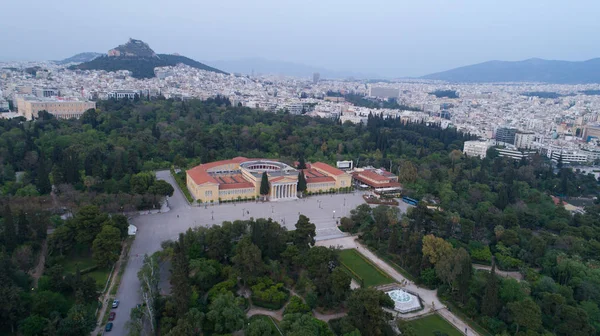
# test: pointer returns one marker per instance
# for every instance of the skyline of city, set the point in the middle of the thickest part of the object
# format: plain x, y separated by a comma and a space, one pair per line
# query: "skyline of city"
388, 39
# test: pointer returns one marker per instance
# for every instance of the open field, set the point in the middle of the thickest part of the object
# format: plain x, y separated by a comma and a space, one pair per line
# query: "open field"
427, 326
363, 269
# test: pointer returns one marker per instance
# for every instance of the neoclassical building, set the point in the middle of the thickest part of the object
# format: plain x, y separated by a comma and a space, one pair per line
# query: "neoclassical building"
240, 177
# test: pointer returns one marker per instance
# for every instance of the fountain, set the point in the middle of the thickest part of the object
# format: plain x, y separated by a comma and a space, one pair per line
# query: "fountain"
404, 302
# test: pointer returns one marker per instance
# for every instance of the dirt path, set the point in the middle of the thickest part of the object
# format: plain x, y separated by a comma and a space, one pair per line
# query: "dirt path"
505, 274
106, 296
37, 272
429, 297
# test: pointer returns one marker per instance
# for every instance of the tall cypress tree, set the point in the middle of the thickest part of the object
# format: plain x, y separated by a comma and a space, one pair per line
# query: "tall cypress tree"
42, 183
9, 237
301, 163
180, 282
301, 187
490, 304
264, 184
23, 232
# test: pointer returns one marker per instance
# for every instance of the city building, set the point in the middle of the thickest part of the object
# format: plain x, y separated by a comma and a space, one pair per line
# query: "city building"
296, 108
29, 107
513, 153
45, 93
316, 77
524, 140
383, 92
476, 148
240, 178
121, 94
590, 132
375, 178
506, 135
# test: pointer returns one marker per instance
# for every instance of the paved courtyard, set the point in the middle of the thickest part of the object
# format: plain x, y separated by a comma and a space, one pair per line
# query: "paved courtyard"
153, 229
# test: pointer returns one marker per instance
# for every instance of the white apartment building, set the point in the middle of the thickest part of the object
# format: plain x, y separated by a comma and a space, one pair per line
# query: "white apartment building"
476, 148
524, 140
514, 154
120, 94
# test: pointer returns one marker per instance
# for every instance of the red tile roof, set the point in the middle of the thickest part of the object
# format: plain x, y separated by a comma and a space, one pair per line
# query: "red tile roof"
373, 176
327, 168
380, 184
319, 179
200, 175
236, 185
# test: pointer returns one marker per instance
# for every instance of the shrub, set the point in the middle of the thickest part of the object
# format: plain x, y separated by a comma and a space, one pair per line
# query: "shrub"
296, 305
269, 295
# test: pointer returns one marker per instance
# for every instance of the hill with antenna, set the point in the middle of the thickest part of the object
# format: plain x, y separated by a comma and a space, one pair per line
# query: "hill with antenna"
137, 57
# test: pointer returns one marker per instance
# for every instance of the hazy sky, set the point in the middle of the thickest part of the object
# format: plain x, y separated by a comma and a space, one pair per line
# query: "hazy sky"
389, 38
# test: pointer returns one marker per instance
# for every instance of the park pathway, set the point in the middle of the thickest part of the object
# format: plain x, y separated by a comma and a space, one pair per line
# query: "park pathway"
505, 274
428, 297
37, 272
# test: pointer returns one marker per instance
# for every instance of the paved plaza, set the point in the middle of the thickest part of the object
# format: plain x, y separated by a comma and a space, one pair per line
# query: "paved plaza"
324, 211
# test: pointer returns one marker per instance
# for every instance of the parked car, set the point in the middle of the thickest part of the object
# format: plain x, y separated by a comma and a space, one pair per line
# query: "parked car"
111, 316
115, 303
109, 326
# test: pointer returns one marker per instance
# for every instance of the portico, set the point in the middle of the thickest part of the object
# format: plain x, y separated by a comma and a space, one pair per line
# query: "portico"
280, 191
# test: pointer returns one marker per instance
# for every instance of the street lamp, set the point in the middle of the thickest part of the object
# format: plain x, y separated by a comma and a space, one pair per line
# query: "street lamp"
333, 214
243, 211
212, 214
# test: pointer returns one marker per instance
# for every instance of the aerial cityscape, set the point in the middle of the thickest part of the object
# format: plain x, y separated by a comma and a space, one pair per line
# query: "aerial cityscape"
331, 168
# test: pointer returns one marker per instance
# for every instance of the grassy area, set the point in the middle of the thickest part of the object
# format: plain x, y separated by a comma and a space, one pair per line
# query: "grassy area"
180, 179
385, 257
70, 263
268, 320
427, 326
370, 274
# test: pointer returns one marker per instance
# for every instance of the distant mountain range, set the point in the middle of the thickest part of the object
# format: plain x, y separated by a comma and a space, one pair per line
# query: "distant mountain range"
264, 66
80, 58
137, 57
531, 70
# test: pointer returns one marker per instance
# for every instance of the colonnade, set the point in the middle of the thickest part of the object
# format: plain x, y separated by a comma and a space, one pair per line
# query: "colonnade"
282, 191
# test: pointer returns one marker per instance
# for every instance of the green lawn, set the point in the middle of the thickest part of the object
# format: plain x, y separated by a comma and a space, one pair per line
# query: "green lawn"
71, 262
70, 267
426, 326
356, 263
265, 318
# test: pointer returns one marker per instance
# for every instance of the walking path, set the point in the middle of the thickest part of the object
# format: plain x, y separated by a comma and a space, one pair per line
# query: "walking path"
505, 274
106, 295
37, 272
428, 297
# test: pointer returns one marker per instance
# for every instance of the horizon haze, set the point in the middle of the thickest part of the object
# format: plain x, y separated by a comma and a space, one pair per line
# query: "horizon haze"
383, 38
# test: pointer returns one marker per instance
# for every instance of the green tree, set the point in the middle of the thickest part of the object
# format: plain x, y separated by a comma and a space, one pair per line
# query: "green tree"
304, 325
301, 163
162, 188
149, 276
9, 236
79, 321
89, 221
264, 184
107, 246
434, 248
23, 229
120, 222
365, 311
44, 303
260, 327
42, 182
526, 313
180, 281
34, 325
304, 235
301, 186
490, 303
248, 260
340, 285
225, 314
